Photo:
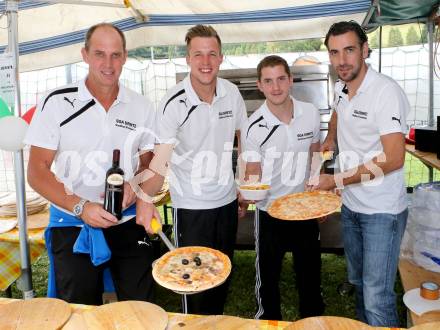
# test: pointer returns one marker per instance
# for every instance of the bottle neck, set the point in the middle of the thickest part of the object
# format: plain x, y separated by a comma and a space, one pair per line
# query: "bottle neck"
116, 154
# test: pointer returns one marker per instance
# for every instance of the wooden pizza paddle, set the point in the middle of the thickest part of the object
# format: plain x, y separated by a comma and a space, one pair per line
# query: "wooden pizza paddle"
130, 315
427, 326
328, 323
212, 322
37, 313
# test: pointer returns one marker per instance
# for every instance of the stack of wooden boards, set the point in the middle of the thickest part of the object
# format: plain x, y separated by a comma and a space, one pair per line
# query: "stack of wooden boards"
8, 204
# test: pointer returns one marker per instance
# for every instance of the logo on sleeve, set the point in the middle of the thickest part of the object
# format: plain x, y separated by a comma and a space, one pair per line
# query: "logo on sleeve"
224, 114
360, 114
396, 119
304, 136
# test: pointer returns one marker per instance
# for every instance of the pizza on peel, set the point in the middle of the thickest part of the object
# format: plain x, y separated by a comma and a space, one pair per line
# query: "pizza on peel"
192, 269
305, 205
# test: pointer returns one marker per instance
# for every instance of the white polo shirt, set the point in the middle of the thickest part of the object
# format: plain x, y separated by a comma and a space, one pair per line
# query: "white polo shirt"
379, 107
201, 174
283, 150
72, 122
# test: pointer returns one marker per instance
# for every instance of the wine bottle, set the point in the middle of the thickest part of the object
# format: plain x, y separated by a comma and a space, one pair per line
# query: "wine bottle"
114, 187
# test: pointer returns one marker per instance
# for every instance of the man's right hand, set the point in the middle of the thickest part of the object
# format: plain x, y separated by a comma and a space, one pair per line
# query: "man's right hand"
95, 216
144, 213
328, 145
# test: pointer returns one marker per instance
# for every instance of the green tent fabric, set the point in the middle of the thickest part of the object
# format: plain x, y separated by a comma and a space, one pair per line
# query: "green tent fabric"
400, 10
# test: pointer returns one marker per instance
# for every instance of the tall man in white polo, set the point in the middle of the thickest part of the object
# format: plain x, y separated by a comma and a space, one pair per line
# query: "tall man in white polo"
76, 128
278, 142
199, 118
369, 123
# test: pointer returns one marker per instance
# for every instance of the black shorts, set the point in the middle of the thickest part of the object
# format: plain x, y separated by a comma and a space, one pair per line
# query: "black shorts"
79, 281
214, 228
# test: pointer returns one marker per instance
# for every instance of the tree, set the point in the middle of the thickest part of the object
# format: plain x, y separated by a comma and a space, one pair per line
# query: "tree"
412, 37
424, 36
373, 41
395, 38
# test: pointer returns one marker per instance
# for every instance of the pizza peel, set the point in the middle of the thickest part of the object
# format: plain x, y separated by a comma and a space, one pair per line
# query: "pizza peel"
328, 323
157, 229
129, 315
37, 313
212, 322
427, 326
211, 285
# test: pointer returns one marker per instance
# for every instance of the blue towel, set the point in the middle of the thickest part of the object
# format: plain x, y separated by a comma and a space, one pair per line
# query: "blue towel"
90, 241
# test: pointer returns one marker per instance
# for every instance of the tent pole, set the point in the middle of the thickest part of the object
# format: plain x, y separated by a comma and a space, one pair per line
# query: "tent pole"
380, 48
25, 282
430, 26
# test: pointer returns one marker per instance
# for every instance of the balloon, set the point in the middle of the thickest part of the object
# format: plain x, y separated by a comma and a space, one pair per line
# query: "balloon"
12, 132
29, 114
4, 109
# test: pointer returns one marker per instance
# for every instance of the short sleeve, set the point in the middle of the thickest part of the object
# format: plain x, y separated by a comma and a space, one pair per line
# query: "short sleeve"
317, 125
44, 130
166, 122
391, 110
148, 138
251, 151
241, 113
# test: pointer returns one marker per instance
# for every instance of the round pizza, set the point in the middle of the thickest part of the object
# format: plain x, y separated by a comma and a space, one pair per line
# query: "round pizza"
305, 205
192, 269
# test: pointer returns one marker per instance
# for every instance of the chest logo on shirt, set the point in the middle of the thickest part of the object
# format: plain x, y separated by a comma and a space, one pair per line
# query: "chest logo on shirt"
304, 136
265, 126
125, 124
70, 102
225, 114
360, 114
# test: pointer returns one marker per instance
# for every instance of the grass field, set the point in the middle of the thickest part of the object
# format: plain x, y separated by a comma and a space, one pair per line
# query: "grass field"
241, 297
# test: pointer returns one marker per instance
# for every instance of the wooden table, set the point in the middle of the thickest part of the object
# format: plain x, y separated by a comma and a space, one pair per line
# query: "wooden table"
411, 276
174, 318
428, 158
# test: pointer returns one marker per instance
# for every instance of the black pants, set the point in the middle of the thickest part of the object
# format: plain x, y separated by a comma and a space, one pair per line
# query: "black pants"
79, 281
214, 228
273, 238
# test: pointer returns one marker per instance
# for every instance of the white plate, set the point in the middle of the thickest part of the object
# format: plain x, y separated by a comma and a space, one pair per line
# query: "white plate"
418, 304
7, 225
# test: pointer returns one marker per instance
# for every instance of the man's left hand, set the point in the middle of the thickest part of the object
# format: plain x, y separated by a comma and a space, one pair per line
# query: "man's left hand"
322, 182
129, 195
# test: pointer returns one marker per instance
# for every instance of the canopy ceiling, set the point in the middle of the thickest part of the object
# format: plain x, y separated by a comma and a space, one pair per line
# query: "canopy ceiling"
399, 11
52, 34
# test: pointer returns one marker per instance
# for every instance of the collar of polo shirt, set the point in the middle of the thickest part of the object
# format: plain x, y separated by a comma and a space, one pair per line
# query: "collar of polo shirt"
220, 91
85, 95
272, 120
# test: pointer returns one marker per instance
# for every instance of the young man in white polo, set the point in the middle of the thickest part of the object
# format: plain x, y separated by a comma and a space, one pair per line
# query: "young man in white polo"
369, 124
199, 118
278, 143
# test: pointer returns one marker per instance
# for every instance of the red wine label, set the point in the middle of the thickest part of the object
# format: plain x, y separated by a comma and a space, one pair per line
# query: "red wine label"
115, 179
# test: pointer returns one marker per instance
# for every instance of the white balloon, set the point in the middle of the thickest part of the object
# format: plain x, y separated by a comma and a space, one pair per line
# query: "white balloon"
12, 132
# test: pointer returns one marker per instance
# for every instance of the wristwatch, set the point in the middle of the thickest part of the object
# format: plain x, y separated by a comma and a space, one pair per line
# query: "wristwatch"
78, 208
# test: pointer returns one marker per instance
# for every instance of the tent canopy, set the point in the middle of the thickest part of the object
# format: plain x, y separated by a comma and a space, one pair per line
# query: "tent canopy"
51, 34
386, 12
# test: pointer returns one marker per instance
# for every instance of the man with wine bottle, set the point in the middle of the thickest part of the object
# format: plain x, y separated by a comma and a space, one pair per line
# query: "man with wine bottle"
77, 128
197, 121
